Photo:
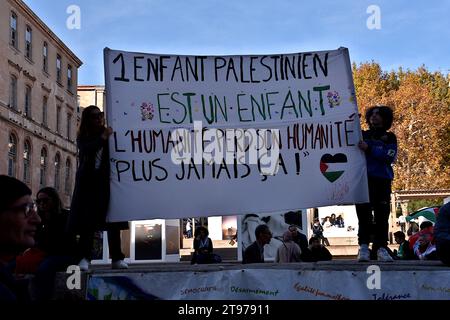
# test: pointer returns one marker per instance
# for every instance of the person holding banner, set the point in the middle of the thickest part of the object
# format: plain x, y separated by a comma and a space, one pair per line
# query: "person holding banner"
91, 194
380, 148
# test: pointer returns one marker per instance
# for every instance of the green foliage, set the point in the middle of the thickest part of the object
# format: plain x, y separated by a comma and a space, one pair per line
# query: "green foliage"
421, 103
415, 205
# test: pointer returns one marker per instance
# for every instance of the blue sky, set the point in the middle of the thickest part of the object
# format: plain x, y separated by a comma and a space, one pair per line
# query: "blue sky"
410, 34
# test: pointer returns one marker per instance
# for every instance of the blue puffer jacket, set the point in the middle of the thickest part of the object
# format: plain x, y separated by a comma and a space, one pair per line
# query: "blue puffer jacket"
381, 153
442, 226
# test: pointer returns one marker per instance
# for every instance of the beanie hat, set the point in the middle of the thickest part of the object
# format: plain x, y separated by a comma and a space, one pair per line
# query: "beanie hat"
11, 190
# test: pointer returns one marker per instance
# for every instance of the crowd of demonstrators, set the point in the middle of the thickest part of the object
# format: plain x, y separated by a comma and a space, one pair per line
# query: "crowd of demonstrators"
442, 234
254, 253
34, 239
380, 148
91, 194
289, 251
203, 248
19, 223
42, 240
55, 249
421, 245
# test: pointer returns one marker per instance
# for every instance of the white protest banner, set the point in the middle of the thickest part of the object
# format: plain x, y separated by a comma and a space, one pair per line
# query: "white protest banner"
221, 135
277, 282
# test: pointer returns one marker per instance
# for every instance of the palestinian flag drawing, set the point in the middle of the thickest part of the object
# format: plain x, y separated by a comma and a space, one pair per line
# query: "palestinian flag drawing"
332, 167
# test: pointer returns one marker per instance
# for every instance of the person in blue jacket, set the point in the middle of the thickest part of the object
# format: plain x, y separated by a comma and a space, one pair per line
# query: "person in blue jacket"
380, 148
442, 234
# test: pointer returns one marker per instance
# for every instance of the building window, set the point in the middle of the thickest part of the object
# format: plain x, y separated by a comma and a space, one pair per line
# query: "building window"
67, 183
45, 57
69, 78
26, 162
43, 168
28, 46
13, 30
12, 155
27, 108
44, 110
57, 171
69, 125
58, 68
13, 93
58, 119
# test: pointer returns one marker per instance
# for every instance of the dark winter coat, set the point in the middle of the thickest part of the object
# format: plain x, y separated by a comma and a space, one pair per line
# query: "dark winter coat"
51, 236
12, 290
91, 195
319, 254
253, 254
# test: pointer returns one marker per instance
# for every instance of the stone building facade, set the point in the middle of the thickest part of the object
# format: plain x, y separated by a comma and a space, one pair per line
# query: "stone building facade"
38, 102
92, 95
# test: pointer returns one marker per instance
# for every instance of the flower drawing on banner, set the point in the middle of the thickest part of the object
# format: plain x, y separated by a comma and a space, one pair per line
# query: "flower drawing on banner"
147, 111
333, 99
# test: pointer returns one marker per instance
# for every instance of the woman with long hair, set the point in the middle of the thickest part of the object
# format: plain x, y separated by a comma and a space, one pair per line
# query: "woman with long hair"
91, 195
55, 248
51, 236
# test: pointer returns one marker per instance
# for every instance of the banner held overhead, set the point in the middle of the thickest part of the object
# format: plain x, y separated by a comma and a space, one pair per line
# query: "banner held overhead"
222, 135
